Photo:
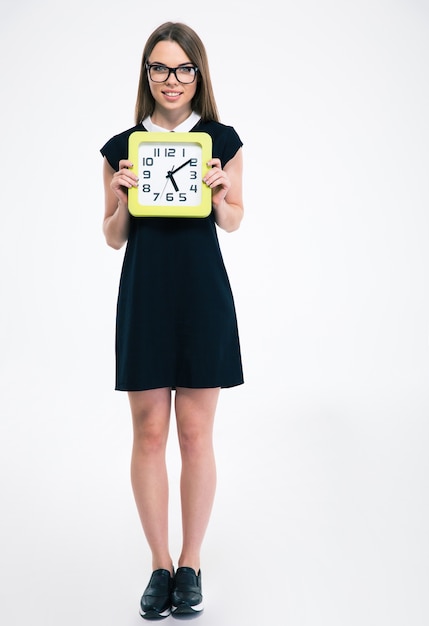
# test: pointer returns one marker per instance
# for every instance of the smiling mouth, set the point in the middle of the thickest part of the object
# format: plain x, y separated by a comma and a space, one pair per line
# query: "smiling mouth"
172, 94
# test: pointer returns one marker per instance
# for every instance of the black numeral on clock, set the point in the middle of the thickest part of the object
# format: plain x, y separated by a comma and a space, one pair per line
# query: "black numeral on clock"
170, 197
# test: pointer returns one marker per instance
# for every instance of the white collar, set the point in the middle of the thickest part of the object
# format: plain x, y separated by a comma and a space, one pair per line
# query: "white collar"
184, 127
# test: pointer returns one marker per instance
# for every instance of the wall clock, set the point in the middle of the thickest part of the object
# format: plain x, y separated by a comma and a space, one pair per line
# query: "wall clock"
170, 168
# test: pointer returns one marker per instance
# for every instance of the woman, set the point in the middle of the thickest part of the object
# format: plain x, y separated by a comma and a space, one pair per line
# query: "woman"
176, 333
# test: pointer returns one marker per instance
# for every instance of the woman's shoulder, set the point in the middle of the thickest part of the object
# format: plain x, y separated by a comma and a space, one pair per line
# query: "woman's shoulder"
226, 140
116, 148
216, 128
123, 135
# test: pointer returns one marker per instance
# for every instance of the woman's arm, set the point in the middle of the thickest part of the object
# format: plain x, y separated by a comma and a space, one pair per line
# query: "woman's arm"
227, 191
116, 215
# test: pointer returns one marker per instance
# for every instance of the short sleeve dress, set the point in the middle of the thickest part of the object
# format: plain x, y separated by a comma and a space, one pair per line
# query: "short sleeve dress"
176, 323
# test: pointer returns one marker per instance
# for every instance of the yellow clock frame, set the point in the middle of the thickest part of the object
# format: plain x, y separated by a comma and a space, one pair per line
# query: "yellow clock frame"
165, 154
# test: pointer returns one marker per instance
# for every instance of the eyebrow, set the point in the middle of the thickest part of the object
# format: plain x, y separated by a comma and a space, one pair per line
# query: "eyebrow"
165, 64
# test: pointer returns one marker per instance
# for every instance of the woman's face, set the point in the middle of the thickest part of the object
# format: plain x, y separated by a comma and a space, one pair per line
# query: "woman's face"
171, 94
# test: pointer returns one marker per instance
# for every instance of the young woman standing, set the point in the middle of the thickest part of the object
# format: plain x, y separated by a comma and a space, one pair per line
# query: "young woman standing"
177, 340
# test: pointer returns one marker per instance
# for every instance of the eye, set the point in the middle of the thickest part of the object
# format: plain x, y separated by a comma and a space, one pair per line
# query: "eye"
161, 69
186, 69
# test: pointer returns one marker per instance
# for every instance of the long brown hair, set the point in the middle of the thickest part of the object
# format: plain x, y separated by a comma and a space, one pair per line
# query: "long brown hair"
203, 102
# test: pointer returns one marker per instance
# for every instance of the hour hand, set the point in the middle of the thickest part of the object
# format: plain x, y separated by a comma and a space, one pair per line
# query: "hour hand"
173, 182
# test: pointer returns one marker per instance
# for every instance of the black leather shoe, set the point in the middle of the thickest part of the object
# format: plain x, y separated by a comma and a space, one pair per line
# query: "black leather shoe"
187, 597
156, 599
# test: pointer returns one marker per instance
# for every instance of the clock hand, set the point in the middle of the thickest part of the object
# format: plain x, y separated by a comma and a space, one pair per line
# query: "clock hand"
166, 183
173, 171
180, 167
170, 176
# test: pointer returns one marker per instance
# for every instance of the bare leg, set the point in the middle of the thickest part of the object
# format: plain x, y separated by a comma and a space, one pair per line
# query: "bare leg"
151, 418
195, 411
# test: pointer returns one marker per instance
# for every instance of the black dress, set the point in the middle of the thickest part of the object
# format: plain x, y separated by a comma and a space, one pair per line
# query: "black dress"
176, 323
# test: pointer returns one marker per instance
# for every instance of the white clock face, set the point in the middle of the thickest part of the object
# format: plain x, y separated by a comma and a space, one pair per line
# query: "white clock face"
170, 174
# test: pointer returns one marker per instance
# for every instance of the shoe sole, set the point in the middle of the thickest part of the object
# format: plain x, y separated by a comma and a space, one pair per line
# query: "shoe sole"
154, 615
186, 611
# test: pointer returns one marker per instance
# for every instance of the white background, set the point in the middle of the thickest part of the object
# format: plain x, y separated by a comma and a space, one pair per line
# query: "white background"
322, 513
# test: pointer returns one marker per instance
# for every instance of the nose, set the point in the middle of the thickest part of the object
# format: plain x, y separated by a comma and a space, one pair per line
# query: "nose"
172, 78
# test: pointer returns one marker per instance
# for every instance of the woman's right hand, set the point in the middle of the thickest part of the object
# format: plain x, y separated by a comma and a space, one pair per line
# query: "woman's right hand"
116, 215
122, 180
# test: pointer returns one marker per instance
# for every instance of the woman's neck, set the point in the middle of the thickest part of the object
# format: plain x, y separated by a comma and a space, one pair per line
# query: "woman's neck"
169, 120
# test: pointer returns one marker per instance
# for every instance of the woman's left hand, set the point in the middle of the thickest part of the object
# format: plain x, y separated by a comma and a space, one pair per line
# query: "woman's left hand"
218, 181
226, 186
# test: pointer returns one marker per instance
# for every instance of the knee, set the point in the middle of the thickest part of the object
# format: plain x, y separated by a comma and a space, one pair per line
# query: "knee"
150, 411
151, 442
150, 437
193, 442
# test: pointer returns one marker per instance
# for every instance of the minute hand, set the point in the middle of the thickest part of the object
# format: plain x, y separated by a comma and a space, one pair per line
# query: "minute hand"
180, 166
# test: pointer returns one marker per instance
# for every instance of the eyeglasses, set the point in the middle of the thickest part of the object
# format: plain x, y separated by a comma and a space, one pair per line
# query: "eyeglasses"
160, 73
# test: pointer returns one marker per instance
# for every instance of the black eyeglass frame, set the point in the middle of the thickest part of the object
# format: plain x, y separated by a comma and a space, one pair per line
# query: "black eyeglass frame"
171, 70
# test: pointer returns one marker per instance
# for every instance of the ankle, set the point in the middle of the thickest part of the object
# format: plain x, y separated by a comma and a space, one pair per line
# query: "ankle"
191, 564
163, 565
